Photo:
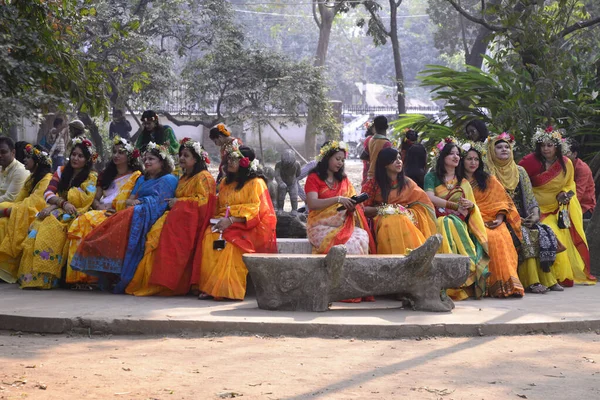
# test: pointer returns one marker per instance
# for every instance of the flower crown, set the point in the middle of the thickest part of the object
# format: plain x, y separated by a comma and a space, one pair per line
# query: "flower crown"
481, 147
437, 149
196, 147
87, 143
41, 157
162, 150
331, 146
223, 129
233, 150
549, 134
131, 151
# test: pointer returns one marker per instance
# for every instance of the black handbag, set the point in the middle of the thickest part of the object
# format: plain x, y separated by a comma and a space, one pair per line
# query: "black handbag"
563, 219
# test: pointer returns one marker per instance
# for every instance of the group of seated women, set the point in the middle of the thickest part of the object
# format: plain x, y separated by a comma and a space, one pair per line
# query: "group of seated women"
138, 230
520, 225
141, 230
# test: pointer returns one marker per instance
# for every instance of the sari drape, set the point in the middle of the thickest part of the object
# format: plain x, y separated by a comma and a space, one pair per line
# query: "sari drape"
46, 248
503, 280
85, 223
167, 268
114, 249
13, 230
466, 237
328, 227
399, 233
573, 265
222, 273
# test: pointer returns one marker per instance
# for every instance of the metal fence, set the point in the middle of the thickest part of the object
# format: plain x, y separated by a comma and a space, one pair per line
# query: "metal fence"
364, 110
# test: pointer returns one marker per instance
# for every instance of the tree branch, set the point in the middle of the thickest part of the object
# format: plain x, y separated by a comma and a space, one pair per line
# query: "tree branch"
378, 21
206, 123
579, 25
314, 12
480, 21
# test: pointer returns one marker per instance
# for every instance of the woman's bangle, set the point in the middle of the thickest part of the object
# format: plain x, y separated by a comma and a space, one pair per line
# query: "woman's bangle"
231, 220
339, 199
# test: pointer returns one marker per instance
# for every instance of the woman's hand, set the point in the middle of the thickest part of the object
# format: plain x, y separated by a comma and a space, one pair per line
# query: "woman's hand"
347, 202
103, 207
223, 224
171, 202
465, 203
46, 211
532, 218
69, 208
495, 223
132, 202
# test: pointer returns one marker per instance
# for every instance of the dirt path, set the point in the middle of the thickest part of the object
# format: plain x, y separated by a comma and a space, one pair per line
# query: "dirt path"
77, 367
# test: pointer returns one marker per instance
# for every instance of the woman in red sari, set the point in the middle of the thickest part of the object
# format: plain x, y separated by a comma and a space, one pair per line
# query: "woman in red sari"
552, 178
327, 188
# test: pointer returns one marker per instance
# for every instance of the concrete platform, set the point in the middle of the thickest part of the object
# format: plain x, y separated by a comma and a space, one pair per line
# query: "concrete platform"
59, 311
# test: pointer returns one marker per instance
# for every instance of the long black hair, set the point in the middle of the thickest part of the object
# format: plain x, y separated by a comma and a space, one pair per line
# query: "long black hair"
40, 171
67, 181
415, 163
200, 163
481, 129
110, 171
481, 177
559, 155
440, 168
384, 158
245, 174
323, 165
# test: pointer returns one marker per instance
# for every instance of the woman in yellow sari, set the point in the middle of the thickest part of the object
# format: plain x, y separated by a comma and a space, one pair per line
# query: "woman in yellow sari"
459, 220
551, 175
246, 224
173, 246
403, 215
327, 189
499, 214
113, 188
538, 245
70, 193
18, 215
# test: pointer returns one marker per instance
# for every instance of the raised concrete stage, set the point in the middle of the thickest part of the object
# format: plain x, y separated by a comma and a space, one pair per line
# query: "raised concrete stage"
63, 311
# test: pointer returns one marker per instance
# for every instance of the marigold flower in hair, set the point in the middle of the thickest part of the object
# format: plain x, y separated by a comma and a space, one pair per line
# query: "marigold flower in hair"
333, 145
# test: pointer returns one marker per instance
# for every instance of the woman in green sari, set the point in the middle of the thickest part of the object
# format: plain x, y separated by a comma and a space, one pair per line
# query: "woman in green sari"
459, 220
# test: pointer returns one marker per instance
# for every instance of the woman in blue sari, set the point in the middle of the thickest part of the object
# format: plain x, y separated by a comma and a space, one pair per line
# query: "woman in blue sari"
114, 249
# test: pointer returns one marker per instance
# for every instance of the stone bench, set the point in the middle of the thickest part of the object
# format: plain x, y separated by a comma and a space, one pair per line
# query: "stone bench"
309, 282
293, 246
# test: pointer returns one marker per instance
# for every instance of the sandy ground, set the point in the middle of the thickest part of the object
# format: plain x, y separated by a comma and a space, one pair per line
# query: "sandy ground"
104, 367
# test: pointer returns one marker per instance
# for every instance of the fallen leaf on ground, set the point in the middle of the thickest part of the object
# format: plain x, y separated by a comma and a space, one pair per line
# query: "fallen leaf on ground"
521, 396
229, 395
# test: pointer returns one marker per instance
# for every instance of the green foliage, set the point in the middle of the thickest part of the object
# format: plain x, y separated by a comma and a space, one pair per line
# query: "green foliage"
537, 75
39, 64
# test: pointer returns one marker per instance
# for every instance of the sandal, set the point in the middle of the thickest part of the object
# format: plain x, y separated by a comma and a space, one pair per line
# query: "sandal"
556, 288
204, 296
537, 288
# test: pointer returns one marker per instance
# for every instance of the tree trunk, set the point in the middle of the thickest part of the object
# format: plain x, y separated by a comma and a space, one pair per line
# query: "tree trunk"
94, 132
401, 99
479, 47
327, 15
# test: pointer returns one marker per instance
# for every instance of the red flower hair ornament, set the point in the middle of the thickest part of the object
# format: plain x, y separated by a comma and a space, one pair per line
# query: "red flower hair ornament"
245, 162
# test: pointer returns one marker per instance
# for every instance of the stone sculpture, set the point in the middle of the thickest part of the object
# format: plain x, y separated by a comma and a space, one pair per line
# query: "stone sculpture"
302, 282
271, 184
287, 172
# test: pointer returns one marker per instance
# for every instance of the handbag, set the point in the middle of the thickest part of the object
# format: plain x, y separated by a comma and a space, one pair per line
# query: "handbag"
563, 219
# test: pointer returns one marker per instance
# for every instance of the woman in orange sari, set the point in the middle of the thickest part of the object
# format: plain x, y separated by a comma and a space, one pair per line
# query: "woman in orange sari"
459, 220
246, 224
403, 215
327, 190
554, 188
114, 186
173, 245
499, 213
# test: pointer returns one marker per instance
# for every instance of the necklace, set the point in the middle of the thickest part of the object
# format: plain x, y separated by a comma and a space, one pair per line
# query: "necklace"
448, 184
330, 184
395, 185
